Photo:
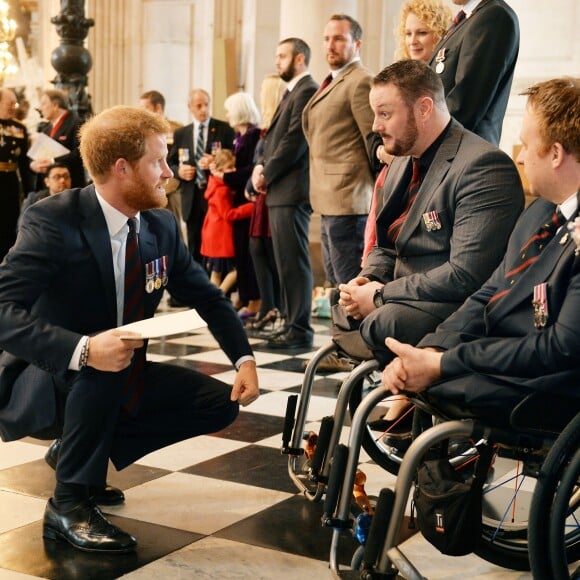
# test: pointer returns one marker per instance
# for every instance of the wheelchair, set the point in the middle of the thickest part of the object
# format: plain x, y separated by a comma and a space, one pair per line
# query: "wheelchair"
310, 471
531, 526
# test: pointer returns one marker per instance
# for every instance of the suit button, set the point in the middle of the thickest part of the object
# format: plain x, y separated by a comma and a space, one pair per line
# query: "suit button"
404, 259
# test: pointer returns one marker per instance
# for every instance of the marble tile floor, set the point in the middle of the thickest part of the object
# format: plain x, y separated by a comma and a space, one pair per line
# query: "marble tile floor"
219, 506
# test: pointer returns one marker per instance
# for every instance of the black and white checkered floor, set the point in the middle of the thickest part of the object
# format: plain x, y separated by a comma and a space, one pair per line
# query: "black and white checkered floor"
219, 506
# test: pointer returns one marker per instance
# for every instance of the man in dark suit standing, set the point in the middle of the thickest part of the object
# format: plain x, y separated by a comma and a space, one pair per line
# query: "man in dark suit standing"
62, 125
521, 331
445, 212
475, 61
196, 142
86, 261
282, 175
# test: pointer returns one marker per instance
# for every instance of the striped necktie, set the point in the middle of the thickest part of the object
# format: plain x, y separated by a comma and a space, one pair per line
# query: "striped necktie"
200, 176
457, 20
133, 310
395, 228
530, 252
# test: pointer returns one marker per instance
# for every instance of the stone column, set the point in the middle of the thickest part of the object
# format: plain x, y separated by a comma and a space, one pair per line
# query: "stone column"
71, 60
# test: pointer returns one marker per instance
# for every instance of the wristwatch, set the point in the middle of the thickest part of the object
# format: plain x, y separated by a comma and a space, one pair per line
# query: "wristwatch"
378, 300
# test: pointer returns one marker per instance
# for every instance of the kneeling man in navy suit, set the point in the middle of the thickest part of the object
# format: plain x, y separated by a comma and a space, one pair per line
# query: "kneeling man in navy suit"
85, 262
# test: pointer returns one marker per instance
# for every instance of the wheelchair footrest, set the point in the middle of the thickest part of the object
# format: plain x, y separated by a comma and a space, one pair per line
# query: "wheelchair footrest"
292, 451
336, 523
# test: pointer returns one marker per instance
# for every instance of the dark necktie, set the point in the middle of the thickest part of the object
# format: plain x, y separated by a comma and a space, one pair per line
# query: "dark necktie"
531, 251
285, 94
199, 151
325, 83
395, 227
457, 19
133, 310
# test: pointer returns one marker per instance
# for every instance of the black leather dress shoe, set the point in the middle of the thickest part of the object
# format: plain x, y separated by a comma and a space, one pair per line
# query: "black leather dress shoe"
399, 426
107, 495
86, 528
290, 339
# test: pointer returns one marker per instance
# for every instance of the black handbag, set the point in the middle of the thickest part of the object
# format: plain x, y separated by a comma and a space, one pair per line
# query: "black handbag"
448, 507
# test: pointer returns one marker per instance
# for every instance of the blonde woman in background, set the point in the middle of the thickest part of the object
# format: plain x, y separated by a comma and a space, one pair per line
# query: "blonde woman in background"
261, 248
422, 24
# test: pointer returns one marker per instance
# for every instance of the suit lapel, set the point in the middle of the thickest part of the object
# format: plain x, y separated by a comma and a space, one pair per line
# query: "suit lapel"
94, 228
450, 34
557, 250
429, 187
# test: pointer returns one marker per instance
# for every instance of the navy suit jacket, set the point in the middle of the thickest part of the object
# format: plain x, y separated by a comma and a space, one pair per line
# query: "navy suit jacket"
57, 284
480, 58
285, 151
218, 131
501, 341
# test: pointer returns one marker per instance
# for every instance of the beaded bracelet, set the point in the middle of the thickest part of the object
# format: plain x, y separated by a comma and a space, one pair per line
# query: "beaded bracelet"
84, 358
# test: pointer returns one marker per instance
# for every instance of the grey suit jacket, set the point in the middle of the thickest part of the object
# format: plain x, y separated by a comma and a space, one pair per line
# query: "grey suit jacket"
477, 194
285, 151
501, 340
480, 58
337, 121
57, 284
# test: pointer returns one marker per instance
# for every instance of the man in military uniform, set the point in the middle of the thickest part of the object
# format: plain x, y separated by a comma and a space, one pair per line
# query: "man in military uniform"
15, 174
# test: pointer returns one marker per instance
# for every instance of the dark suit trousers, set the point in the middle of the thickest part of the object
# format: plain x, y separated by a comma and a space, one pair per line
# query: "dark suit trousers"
194, 223
177, 403
401, 321
289, 226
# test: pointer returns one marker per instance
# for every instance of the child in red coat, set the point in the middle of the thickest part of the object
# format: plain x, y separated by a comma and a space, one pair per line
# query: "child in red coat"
217, 237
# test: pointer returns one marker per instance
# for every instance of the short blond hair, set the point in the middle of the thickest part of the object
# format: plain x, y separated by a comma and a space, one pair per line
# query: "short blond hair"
117, 133
434, 14
556, 104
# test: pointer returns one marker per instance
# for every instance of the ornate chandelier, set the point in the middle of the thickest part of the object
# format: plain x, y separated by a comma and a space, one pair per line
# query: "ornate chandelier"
8, 64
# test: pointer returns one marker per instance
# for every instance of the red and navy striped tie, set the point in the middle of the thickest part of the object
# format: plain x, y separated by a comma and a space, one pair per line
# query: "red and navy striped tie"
133, 310
531, 251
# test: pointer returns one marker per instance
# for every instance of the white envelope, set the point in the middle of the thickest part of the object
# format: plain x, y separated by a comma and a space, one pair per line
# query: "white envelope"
166, 325
45, 147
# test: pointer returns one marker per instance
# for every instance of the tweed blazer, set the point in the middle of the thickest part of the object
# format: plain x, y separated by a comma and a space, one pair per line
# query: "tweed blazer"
337, 122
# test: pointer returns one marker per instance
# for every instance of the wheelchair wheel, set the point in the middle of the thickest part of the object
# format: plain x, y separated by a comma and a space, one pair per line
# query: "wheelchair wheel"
557, 481
565, 523
385, 456
507, 496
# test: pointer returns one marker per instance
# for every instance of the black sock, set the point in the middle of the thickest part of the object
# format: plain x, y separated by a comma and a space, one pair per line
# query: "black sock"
69, 495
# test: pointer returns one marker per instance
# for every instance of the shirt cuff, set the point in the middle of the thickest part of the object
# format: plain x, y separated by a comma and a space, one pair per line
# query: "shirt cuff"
75, 359
242, 360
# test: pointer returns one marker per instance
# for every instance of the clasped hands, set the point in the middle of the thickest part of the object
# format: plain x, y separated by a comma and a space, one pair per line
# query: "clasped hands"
413, 370
356, 297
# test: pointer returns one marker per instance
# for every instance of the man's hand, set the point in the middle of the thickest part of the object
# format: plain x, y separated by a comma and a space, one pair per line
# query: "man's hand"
413, 370
258, 179
356, 297
245, 389
186, 172
41, 165
109, 352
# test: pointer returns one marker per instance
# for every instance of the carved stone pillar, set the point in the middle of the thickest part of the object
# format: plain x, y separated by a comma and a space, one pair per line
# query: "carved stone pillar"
71, 60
